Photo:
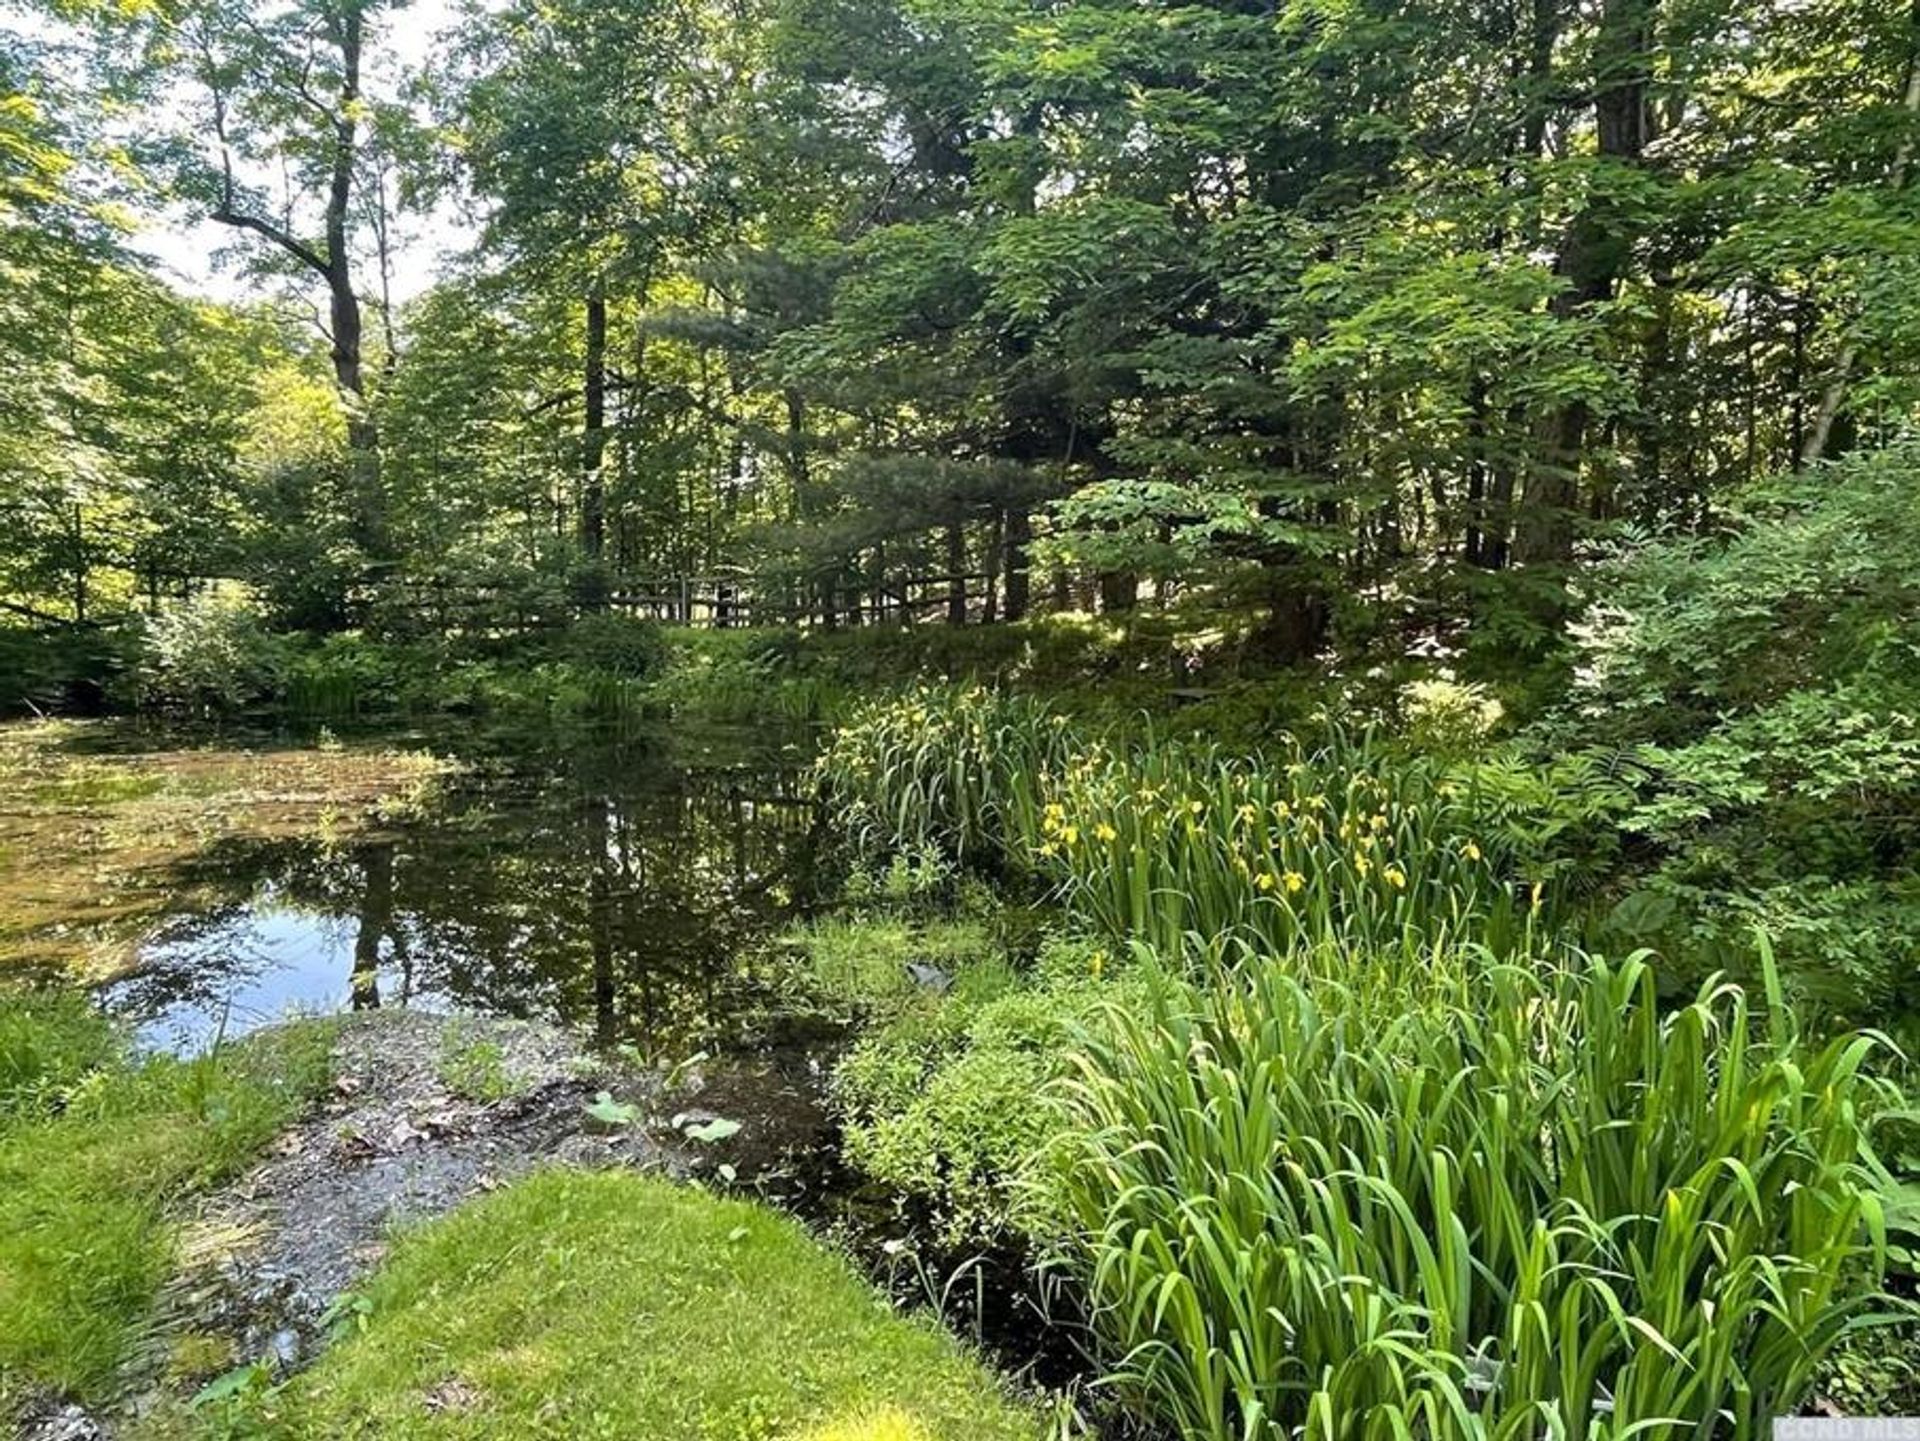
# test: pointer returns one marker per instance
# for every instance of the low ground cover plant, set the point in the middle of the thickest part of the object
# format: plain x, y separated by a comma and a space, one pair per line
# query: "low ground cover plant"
636, 1307
951, 1099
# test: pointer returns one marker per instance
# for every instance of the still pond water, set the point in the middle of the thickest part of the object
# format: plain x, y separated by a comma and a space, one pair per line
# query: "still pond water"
611, 883
622, 887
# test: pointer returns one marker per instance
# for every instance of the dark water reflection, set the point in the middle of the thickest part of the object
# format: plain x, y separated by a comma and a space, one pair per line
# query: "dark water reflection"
610, 883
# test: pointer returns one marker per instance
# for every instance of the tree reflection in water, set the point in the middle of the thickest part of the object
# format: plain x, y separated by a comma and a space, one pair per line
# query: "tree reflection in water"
604, 885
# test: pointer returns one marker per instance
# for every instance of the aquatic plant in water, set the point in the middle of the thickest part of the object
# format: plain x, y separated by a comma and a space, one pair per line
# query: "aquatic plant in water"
1145, 838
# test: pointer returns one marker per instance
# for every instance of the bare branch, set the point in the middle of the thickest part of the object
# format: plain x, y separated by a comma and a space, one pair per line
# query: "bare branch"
227, 211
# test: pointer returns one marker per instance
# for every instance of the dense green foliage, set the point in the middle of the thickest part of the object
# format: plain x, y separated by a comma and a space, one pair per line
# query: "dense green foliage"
947, 1097
1328, 324
1149, 839
636, 1307
1470, 1200
1441, 480
1361, 1142
1766, 685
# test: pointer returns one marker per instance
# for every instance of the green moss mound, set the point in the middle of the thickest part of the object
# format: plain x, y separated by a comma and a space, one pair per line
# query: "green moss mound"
613, 1305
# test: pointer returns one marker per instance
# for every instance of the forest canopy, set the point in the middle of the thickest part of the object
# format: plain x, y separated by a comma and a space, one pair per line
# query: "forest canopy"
1359, 325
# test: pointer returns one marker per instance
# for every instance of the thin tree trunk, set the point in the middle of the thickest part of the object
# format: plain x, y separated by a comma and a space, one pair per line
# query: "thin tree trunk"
1119, 590
1591, 261
593, 449
344, 29
80, 566
1835, 393
956, 574
1019, 586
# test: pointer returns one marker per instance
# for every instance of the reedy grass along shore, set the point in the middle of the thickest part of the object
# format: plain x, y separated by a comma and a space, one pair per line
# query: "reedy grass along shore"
1142, 838
1487, 1200
1376, 1152
97, 1150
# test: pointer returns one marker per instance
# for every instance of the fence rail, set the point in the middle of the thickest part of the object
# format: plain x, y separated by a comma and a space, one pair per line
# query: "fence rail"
717, 601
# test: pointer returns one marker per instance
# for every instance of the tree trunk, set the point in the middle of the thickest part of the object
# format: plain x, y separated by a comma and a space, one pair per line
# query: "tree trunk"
344, 29
80, 565
363, 434
1019, 587
1591, 261
956, 574
1295, 627
593, 449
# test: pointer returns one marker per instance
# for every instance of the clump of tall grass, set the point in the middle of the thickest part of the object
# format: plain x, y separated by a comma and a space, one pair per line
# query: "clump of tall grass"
97, 1146
1472, 1199
1151, 839
1164, 840
944, 766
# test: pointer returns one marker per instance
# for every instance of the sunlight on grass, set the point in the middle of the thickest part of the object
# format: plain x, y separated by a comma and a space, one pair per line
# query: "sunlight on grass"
889, 1424
636, 1307
94, 1148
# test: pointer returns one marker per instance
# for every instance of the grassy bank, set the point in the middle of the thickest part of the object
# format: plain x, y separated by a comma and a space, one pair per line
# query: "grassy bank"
97, 1150
612, 1305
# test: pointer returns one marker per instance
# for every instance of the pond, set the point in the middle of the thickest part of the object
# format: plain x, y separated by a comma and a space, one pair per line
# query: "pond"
625, 887
612, 883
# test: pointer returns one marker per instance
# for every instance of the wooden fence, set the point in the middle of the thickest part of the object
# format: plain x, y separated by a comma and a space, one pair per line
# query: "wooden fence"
716, 601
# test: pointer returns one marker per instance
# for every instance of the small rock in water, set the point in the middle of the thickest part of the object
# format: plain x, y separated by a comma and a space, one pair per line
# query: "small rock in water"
931, 978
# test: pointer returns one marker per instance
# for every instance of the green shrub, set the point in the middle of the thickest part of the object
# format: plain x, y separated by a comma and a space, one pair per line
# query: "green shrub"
943, 766
1766, 683
862, 960
618, 644
950, 1100
474, 1066
55, 668
210, 653
745, 676
1468, 1200
346, 674
1445, 717
918, 877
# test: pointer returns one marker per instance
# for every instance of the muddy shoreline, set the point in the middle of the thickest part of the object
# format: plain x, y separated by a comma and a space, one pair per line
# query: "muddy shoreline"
268, 1264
